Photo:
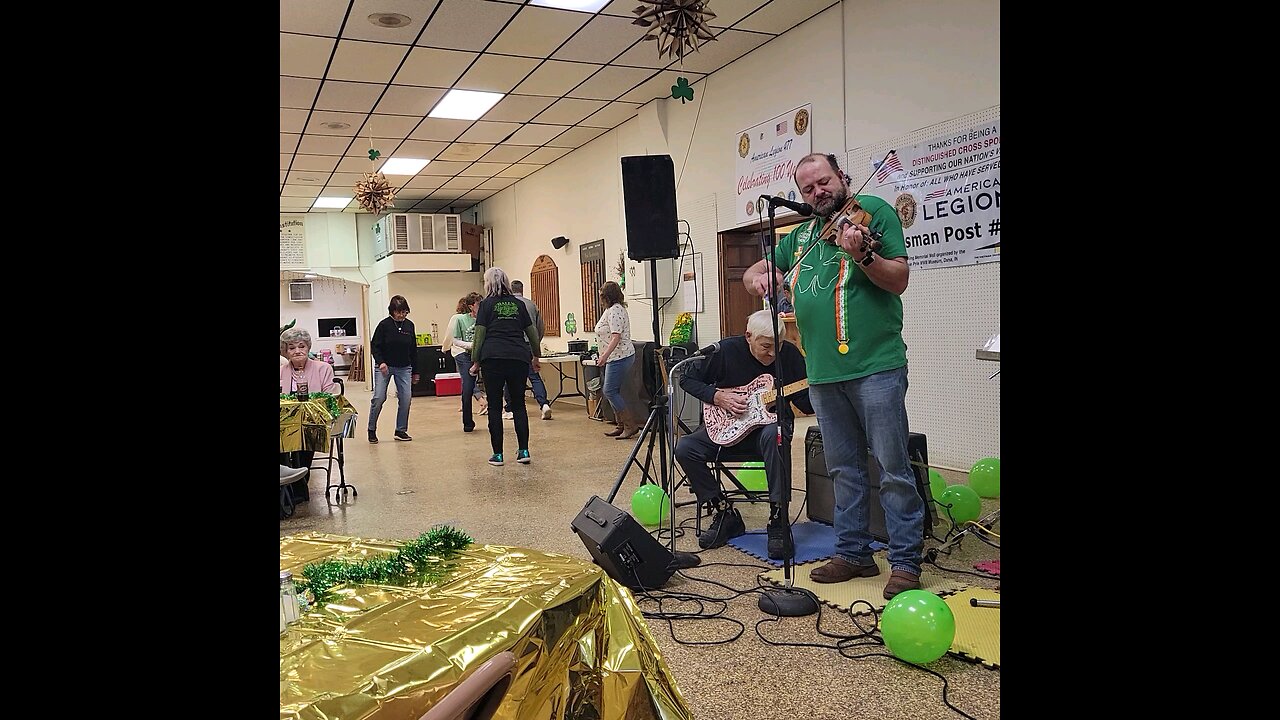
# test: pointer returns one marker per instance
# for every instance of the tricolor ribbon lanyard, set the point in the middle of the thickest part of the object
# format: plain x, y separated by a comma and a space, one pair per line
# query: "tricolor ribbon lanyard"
842, 282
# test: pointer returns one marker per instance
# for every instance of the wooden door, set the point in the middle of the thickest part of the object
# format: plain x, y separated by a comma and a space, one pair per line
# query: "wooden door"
739, 250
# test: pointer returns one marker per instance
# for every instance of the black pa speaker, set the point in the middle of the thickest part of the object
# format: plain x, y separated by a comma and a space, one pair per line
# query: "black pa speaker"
649, 199
619, 545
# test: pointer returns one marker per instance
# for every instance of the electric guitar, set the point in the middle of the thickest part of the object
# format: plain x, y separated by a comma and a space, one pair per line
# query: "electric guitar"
726, 428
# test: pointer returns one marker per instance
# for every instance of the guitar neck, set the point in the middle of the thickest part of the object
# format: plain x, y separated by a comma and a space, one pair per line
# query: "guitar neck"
791, 389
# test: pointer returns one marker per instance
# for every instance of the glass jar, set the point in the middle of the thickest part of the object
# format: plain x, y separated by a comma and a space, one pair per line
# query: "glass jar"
288, 598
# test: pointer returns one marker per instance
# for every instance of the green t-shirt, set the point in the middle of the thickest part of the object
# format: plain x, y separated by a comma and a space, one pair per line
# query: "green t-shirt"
870, 325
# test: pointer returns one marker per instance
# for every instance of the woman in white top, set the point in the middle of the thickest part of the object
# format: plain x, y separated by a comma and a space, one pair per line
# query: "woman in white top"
459, 335
617, 353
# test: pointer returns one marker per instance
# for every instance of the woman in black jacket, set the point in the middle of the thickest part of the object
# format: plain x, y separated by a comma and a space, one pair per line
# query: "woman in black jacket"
395, 355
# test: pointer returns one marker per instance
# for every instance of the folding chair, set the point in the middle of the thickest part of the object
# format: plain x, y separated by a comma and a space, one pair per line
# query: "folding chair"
288, 476
343, 426
724, 466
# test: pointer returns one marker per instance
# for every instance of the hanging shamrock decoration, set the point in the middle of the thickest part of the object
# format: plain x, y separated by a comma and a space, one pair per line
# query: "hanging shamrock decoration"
680, 24
374, 154
682, 90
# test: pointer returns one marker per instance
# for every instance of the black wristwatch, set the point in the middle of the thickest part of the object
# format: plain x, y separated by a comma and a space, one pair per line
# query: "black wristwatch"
870, 258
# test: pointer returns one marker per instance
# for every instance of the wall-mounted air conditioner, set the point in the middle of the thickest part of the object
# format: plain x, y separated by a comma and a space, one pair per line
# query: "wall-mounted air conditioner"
416, 232
300, 292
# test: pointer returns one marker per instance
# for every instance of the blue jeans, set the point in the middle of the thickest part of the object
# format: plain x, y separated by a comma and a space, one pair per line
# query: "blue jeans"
614, 372
539, 389
469, 387
852, 414
404, 394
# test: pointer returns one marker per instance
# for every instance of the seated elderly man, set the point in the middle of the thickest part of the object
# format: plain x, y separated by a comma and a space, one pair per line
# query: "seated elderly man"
718, 381
295, 347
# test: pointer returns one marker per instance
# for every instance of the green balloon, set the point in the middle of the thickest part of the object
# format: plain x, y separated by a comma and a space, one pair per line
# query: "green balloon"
984, 477
964, 502
936, 484
649, 504
753, 479
917, 626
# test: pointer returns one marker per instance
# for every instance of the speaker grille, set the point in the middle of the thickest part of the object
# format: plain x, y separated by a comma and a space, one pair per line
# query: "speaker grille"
649, 199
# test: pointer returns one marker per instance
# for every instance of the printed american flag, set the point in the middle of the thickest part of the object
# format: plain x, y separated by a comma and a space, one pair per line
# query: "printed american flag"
888, 167
936, 194
782, 128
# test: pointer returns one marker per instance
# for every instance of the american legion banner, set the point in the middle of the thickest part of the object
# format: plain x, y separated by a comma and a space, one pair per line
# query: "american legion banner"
767, 157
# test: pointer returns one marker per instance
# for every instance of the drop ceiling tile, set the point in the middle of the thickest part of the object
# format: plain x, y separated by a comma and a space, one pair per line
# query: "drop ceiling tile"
366, 61
555, 78
359, 26
611, 115
611, 82
421, 148
621, 8
446, 168
412, 195
293, 120
642, 54
284, 174
310, 179
576, 137
302, 191
465, 151
729, 45
489, 132
729, 12
346, 180
440, 129
485, 169
324, 145
315, 163
348, 96
520, 170
388, 127
409, 100
304, 55
319, 118
601, 40
466, 24
286, 159
312, 17
497, 183
433, 68
357, 165
426, 182
496, 73
660, 87
291, 203
537, 31
289, 142
546, 155
506, 154
518, 108
462, 183
536, 134
298, 92
569, 111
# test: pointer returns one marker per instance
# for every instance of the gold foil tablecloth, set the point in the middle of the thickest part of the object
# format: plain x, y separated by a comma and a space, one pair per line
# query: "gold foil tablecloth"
305, 425
376, 651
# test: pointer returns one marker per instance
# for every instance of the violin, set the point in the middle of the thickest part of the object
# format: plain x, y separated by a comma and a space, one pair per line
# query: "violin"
852, 214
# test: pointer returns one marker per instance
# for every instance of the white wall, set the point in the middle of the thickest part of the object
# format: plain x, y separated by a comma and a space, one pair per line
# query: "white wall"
433, 298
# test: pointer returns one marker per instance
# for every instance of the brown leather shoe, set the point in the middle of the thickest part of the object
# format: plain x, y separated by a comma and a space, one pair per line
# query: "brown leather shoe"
616, 431
838, 570
900, 580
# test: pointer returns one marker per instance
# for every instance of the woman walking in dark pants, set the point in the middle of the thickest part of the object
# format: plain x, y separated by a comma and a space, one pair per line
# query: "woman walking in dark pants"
502, 324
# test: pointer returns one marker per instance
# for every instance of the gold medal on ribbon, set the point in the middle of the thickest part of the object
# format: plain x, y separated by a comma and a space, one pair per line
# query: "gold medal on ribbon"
844, 349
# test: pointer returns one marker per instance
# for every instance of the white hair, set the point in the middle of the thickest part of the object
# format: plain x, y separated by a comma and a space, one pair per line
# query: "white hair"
760, 324
496, 282
294, 335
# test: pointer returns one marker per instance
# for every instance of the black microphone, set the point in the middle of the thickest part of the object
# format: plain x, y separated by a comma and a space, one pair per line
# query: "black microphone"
804, 209
711, 349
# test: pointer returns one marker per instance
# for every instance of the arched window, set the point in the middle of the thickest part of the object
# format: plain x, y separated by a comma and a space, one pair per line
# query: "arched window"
545, 279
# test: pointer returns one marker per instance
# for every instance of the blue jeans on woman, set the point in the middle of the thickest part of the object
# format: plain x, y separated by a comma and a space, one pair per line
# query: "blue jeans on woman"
404, 395
614, 372
469, 388
855, 414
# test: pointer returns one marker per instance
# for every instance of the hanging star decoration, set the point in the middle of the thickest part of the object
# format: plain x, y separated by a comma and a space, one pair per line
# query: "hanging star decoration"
373, 192
682, 90
681, 25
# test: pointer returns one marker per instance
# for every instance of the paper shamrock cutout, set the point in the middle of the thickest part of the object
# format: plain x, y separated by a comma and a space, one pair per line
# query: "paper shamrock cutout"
571, 325
373, 154
682, 90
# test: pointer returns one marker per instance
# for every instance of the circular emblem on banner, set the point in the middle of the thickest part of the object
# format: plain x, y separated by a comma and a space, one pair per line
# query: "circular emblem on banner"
906, 205
802, 121
744, 145
751, 208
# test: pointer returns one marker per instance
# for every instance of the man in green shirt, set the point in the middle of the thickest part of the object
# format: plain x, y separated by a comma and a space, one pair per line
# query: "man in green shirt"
849, 312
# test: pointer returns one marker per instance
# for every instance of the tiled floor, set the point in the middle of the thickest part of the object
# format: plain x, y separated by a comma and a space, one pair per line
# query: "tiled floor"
442, 477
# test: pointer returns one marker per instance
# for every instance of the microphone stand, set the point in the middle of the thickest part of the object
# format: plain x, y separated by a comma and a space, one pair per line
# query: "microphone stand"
787, 601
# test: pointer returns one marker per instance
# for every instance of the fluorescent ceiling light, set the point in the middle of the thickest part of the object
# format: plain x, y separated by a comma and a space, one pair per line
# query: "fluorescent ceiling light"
403, 166
332, 202
465, 104
590, 6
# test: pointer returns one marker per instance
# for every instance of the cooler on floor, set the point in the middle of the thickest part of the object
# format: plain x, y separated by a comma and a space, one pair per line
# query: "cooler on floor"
448, 384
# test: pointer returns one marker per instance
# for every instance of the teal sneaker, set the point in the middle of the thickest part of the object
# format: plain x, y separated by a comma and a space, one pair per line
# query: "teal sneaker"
496, 459
523, 457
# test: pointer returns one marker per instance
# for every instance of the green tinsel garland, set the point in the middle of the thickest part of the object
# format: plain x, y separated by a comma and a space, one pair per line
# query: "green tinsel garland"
330, 401
416, 560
